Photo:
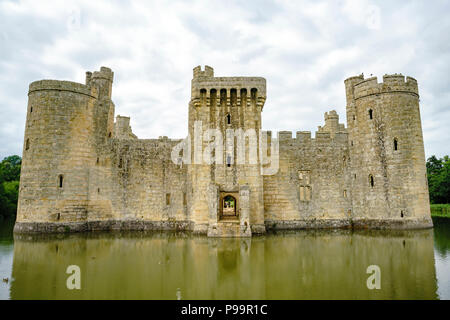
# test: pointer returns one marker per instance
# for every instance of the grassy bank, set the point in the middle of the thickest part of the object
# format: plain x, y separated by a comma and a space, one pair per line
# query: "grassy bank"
440, 210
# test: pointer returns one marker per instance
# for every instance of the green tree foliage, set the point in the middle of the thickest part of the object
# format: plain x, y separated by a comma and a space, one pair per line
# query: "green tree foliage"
9, 185
438, 172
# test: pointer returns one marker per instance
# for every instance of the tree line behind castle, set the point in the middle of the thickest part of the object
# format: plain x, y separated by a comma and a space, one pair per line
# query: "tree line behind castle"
438, 172
9, 185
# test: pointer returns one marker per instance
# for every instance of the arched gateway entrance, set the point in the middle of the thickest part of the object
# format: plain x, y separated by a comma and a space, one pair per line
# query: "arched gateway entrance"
229, 206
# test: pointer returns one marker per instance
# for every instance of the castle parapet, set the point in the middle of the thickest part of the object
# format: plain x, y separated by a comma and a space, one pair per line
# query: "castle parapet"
391, 83
284, 136
349, 84
323, 137
208, 72
104, 73
68, 86
303, 137
206, 86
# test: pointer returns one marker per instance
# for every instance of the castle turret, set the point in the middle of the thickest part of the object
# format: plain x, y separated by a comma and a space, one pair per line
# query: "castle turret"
387, 152
122, 128
104, 111
332, 124
58, 147
102, 79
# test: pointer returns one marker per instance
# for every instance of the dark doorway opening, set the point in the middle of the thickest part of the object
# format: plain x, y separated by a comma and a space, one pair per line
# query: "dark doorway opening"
229, 206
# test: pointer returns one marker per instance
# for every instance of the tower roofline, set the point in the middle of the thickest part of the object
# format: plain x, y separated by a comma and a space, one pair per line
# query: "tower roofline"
205, 80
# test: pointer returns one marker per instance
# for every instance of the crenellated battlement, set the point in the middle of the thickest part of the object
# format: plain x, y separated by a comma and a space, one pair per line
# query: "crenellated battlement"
354, 79
92, 86
331, 115
104, 73
284, 136
322, 137
304, 137
391, 83
208, 72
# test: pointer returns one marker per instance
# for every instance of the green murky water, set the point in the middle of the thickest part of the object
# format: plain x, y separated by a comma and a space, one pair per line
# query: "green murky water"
293, 265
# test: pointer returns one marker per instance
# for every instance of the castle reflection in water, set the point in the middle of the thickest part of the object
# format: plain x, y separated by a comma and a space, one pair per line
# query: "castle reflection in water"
288, 265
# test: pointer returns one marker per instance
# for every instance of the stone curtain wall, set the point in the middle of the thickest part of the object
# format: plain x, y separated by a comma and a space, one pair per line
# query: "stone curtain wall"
150, 186
312, 187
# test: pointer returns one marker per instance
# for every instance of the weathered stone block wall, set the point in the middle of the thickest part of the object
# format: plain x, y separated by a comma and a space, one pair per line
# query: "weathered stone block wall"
311, 184
150, 186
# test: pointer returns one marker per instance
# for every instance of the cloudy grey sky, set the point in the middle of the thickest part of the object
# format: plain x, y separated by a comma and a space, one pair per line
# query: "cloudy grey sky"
305, 50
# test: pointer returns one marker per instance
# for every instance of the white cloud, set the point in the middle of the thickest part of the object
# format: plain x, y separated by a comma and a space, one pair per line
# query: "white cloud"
363, 13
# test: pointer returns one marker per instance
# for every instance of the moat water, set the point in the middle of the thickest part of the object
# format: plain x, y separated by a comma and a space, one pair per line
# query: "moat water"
282, 265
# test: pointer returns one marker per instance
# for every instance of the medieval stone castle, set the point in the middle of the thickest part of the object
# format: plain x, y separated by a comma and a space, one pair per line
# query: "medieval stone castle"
84, 170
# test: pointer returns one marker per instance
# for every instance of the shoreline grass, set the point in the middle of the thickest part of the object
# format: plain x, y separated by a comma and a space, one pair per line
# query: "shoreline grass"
440, 210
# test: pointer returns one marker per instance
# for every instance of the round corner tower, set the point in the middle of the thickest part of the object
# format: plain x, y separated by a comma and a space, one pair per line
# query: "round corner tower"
60, 145
387, 152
